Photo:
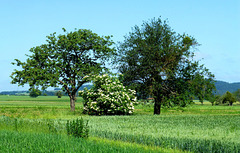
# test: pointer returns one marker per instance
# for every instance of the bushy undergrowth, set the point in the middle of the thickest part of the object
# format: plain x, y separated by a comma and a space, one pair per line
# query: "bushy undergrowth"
108, 96
77, 128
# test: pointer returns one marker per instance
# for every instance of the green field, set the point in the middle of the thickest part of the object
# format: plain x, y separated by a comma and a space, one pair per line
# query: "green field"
40, 125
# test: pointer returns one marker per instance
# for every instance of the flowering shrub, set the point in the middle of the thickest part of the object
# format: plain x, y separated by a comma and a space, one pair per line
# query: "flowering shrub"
108, 96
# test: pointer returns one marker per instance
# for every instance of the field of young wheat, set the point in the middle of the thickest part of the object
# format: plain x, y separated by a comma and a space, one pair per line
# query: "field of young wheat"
40, 124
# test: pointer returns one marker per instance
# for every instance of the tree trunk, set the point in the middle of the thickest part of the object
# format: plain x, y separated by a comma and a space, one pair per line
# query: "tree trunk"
72, 102
157, 104
157, 108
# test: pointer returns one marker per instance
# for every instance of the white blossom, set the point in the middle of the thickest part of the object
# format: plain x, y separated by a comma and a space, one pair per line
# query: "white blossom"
110, 92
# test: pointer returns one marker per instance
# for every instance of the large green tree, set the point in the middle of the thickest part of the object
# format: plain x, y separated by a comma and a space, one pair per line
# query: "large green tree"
156, 60
64, 61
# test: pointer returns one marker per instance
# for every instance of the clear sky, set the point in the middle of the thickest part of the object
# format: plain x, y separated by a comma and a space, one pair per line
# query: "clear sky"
214, 23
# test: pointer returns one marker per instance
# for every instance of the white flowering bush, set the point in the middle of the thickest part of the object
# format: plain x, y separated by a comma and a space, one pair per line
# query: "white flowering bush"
108, 96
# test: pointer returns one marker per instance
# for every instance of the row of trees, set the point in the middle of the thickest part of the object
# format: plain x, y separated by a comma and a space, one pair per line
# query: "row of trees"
35, 92
227, 98
153, 59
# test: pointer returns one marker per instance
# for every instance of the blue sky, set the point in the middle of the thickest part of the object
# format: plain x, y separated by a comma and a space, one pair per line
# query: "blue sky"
214, 23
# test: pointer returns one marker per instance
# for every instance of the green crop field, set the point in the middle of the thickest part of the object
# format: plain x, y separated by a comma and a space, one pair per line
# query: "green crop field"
38, 125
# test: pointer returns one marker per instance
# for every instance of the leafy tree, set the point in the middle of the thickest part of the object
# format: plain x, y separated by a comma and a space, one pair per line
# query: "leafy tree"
218, 99
203, 89
214, 99
64, 61
237, 95
59, 94
228, 98
34, 92
154, 58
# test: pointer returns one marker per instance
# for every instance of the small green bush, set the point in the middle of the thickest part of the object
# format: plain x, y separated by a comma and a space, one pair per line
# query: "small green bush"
77, 128
59, 94
34, 92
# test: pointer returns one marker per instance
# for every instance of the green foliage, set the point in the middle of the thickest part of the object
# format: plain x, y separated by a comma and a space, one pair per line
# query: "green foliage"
228, 98
34, 92
156, 61
77, 128
214, 99
64, 61
108, 96
218, 100
59, 94
203, 87
237, 95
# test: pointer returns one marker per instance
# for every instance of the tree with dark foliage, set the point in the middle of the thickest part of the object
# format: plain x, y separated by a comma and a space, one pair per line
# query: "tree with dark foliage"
154, 58
229, 98
34, 92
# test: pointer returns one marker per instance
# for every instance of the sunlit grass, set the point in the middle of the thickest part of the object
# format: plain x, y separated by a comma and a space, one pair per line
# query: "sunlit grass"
40, 107
200, 128
39, 142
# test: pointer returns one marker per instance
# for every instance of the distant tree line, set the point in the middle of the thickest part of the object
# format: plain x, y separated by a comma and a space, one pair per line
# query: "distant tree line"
17, 93
227, 98
43, 92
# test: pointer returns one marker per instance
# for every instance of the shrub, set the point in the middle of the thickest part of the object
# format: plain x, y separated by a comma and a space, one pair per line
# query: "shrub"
218, 100
34, 92
59, 94
108, 96
77, 128
228, 98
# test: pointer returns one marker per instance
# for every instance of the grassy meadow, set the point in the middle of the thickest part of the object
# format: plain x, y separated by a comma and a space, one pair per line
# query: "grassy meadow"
38, 125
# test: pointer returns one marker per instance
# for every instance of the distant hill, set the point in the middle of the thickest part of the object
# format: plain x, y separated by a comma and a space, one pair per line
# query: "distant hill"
222, 87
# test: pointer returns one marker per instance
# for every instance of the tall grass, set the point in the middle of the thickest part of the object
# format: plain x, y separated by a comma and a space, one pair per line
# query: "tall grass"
188, 132
12, 141
32, 125
197, 128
